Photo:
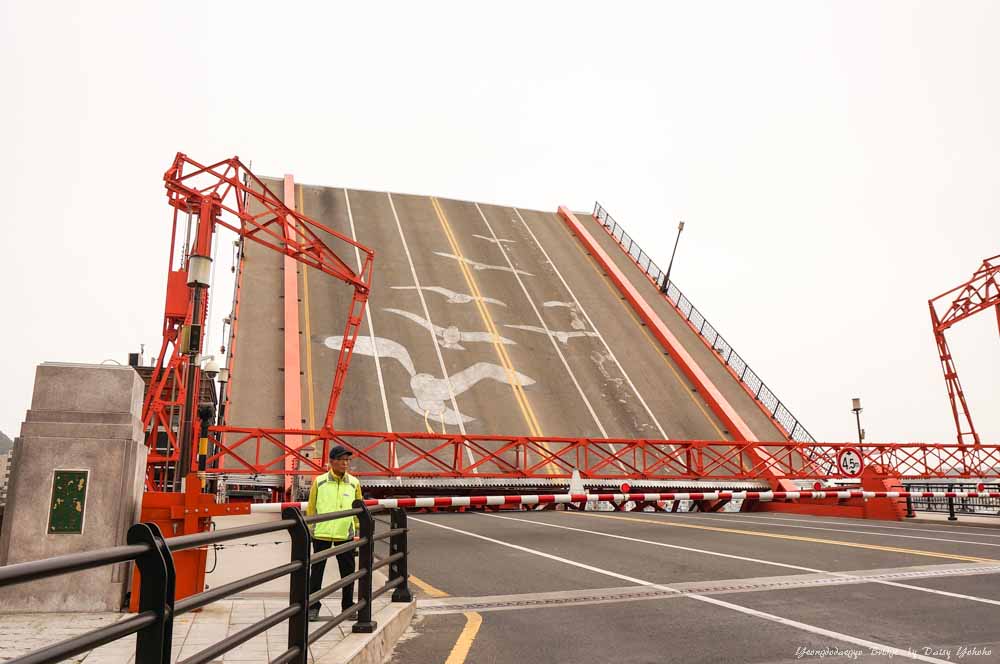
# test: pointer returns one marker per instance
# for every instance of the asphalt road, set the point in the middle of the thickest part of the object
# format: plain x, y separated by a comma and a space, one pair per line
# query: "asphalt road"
482, 319
643, 587
434, 260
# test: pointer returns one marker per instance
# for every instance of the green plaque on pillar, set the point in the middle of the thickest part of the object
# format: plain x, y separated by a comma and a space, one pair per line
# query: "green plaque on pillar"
69, 499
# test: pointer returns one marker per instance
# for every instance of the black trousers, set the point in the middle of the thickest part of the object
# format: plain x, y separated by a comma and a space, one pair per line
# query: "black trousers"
346, 563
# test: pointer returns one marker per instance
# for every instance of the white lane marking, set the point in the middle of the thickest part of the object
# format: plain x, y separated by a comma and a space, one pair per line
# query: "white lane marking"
427, 315
837, 530
949, 529
592, 326
538, 314
718, 554
371, 324
701, 598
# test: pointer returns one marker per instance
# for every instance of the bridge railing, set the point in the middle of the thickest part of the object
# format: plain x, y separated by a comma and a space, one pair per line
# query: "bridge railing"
153, 623
971, 506
427, 455
752, 382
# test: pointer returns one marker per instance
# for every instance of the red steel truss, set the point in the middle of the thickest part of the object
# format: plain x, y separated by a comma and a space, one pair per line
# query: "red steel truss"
227, 195
979, 293
433, 455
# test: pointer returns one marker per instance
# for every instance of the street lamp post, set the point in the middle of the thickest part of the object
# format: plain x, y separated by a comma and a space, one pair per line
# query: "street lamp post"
666, 277
856, 409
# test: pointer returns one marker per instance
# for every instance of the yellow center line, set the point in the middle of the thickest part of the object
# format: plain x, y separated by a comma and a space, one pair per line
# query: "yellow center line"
308, 330
473, 621
797, 538
427, 588
461, 648
652, 341
516, 387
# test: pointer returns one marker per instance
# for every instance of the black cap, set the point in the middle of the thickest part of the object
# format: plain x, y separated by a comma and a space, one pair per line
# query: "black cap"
339, 452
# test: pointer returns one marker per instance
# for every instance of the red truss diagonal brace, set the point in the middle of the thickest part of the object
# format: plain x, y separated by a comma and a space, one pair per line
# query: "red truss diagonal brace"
980, 292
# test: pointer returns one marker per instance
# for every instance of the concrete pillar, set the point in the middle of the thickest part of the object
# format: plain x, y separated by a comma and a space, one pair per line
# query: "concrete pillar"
84, 424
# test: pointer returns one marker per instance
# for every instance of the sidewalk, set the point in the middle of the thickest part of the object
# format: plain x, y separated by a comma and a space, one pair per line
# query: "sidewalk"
941, 518
193, 632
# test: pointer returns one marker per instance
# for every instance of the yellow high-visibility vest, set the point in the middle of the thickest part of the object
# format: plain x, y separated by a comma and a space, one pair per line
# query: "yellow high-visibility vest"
330, 493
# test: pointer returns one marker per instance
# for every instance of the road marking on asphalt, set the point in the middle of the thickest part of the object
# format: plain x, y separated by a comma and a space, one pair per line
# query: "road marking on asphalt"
719, 554
427, 315
951, 530
649, 338
427, 588
464, 643
590, 321
797, 538
371, 326
561, 598
515, 383
887, 649
473, 621
764, 522
538, 314
310, 396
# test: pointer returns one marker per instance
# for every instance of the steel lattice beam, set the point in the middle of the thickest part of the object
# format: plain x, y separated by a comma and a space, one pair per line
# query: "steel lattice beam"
432, 455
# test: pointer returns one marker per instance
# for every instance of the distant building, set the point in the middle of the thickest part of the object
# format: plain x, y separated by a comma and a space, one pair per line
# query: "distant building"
5, 460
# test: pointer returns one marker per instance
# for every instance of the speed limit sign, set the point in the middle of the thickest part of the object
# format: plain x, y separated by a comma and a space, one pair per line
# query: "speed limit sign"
849, 462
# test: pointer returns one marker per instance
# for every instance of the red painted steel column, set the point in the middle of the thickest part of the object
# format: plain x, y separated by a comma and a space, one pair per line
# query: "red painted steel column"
718, 403
293, 380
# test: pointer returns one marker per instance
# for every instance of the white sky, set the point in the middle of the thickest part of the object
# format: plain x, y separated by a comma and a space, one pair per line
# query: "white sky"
836, 163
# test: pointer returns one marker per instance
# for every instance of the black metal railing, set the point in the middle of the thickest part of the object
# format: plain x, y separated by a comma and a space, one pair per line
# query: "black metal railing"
769, 402
152, 553
980, 506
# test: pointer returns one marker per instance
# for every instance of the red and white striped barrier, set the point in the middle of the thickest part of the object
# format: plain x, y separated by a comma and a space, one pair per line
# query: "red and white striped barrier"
557, 498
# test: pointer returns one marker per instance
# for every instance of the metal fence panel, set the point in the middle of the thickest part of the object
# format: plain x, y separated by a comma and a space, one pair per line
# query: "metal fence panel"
696, 318
767, 398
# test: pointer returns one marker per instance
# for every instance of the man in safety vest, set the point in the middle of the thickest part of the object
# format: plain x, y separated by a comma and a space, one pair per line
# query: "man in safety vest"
334, 492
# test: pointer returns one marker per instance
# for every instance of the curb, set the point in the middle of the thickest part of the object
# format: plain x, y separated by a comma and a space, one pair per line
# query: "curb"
374, 648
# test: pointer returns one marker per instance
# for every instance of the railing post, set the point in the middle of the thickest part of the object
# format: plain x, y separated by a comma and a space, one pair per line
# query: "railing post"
951, 506
397, 544
298, 584
909, 502
366, 558
156, 593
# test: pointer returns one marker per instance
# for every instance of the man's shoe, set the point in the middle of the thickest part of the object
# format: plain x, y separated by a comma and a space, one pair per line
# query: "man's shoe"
313, 615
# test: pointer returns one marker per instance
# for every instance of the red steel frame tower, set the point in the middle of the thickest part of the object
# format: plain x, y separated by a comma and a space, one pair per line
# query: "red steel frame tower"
227, 195
979, 293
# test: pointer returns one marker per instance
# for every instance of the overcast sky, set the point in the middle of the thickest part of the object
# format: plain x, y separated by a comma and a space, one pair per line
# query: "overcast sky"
836, 162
